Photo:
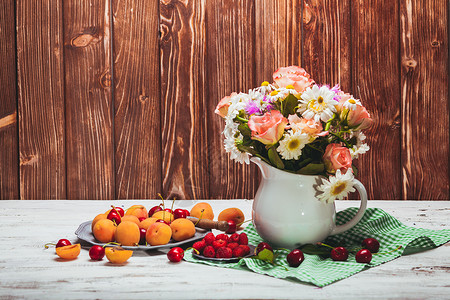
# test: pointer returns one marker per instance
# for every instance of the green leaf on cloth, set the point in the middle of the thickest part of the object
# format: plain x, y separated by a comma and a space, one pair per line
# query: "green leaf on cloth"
321, 271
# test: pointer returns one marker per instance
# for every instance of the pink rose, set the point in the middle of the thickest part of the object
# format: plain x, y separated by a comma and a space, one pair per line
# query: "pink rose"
293, 75
222, 107
269, 128
308, 126
359, 118
337, 157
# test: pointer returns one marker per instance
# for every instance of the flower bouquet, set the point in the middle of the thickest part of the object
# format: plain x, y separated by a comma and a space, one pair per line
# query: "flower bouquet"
298, 126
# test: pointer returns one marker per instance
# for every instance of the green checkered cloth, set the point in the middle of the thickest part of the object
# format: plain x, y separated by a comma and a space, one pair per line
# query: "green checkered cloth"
321, 271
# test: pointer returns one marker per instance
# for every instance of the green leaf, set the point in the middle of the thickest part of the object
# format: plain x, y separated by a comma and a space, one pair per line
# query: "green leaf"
289, 105
315, 249
266, 255
244, 129
275, 158
311, 169
355, 170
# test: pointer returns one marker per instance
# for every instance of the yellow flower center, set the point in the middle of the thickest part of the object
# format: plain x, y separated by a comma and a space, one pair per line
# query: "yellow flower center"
338, 188
274, 93
320, 100
290, 87
265, 83
292, 145
352, 101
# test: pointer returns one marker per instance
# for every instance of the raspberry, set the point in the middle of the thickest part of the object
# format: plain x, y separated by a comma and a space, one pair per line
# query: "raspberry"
234, 238
224, 252
200, 245
209, 251
241, 251
243, 239
223, 236
218, 244
209, 238
232, 245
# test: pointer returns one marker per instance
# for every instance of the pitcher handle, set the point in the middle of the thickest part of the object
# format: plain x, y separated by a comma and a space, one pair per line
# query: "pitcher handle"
362, 208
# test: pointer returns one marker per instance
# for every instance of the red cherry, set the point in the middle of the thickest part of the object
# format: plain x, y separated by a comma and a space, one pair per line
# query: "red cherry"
168, 210
119, 210
231, 227
339, 254
161, 221
371, 244
187, 213
114, 216
261, 246
175, 254
179, 213
153, 210
142, 219
97, 252
62, 243
363, 256
143, 232
295, 258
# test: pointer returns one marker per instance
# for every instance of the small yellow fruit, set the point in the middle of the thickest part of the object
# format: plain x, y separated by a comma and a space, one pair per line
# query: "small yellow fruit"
117, 255
69, 251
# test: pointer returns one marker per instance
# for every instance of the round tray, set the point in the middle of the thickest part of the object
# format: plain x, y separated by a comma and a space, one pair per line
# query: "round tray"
231, 259
84, 232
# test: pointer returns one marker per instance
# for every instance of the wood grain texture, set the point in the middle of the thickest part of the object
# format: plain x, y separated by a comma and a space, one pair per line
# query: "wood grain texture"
327, 42
230, 68
277, 36
425, 106
89, 105
137, 99
375, 80
41, 99
9, 152
184, 143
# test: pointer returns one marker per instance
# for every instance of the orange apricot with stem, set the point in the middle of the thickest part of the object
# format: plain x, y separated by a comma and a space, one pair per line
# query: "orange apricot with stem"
69, 251
117, 255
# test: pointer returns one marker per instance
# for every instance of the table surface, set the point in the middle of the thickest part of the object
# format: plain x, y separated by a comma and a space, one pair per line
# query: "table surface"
27, 270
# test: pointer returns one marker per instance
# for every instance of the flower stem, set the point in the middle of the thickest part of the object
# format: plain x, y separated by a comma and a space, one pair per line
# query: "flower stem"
242, 119
341, 139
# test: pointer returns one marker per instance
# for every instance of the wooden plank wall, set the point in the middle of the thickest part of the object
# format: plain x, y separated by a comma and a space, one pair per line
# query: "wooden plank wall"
107, 99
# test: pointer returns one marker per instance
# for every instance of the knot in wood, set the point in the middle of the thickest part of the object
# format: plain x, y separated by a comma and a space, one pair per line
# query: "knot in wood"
83, 40
435, 44
105, 79
143, 98
409, 62
307, 14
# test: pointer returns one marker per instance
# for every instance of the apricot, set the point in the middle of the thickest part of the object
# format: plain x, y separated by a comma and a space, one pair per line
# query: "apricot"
233, 213
182, 229
104, 230
138, 211
117, 255
69, 251
202, 210
163, 215
158, 234
98, 217
131, 218
128, 234
147, 222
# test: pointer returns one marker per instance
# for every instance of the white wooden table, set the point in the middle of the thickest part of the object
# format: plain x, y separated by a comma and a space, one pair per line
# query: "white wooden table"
27, 270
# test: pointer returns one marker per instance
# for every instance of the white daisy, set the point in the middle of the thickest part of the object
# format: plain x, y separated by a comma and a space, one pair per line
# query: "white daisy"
292, 144
318, 103
337, 187
359, 149
235, 153
237, 103
351, 103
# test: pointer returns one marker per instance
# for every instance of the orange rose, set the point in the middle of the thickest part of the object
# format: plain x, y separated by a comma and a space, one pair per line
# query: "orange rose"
269, 128
222, 107
308, 126
337, 157
359, 118
293, 75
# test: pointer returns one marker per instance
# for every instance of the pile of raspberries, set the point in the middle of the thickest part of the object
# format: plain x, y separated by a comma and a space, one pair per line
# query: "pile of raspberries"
223, 246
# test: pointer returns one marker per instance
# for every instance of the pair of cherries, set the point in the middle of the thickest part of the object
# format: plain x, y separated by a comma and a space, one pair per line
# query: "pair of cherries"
370, 245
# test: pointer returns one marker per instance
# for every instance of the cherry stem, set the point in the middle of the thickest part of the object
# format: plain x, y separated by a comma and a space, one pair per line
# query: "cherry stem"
200, 217
172, 204
398, 248
111, 243
47, 245
322, 244
238, 225
193, 249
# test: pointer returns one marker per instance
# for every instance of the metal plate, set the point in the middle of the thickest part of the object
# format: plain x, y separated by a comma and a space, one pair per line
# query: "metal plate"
84, 232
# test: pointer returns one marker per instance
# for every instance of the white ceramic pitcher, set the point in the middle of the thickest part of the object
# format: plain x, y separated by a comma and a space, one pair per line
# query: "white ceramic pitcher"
287, 213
